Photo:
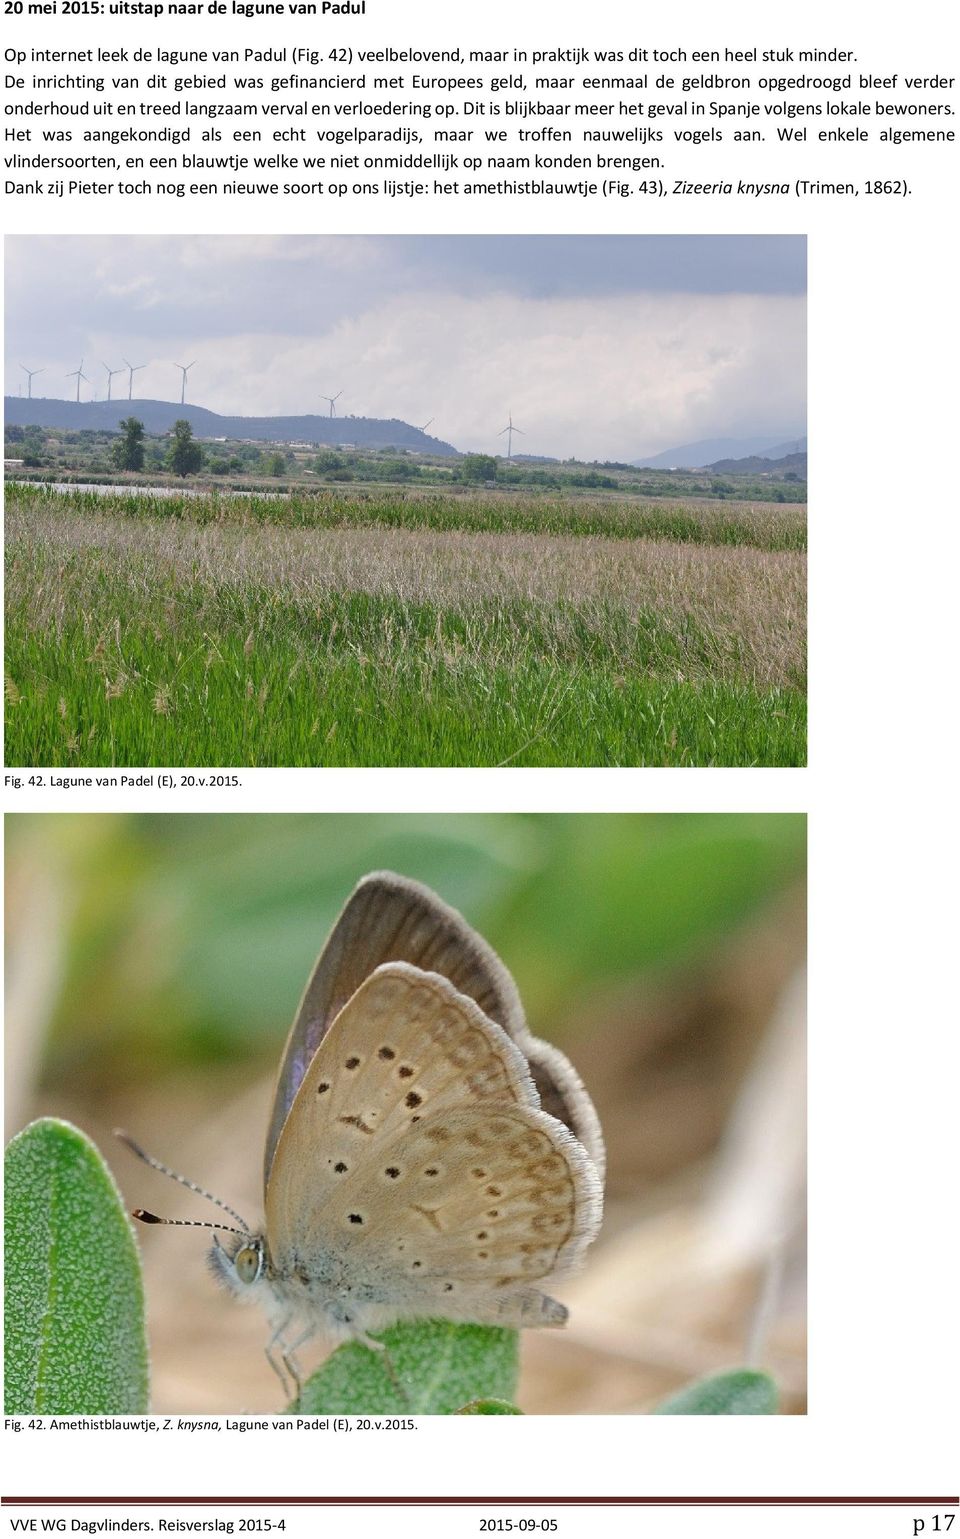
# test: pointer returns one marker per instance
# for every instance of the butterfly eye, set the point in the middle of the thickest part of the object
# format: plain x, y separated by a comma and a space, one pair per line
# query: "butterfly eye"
248, 1262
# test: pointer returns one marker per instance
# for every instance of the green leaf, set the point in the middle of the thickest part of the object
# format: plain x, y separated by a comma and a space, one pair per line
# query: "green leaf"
434, 1368
75, 1337
741, 1392
489, 1408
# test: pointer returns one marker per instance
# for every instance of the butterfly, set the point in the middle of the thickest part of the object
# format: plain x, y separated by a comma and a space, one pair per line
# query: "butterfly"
426, 1155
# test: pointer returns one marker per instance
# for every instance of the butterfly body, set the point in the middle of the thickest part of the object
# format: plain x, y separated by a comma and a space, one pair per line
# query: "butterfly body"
324, 1297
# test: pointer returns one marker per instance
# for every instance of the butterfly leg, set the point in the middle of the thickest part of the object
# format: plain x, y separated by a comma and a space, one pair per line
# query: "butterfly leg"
363, 1340
289, 1360
393, 1376
277, 1340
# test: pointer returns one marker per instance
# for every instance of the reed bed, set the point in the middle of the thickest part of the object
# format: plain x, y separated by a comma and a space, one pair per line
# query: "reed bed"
232, 639
767, 525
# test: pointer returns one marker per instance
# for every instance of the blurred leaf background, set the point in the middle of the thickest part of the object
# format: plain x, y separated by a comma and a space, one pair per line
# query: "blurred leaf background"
154, 963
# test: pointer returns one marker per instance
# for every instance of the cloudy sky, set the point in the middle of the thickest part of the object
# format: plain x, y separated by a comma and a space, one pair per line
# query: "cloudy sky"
600, 346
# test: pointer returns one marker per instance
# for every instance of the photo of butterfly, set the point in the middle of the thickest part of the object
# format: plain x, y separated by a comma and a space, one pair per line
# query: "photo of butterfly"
426, 1156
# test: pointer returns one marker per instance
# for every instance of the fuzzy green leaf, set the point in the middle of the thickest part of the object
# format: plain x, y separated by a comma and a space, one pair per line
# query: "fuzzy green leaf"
741, 1392
75, 1336
437, 1367
489, 1408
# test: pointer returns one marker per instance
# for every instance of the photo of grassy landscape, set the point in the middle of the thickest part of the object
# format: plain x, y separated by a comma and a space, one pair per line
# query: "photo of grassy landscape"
339, 590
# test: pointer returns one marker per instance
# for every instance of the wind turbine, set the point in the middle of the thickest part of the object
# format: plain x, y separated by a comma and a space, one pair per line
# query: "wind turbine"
79, 375
30, 373
134, 369
510, 430
110, 374
426, 425
184, 370
331, 399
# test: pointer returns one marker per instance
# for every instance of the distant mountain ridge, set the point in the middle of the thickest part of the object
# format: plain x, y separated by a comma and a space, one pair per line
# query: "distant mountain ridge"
794, 463
159, 417
706, 451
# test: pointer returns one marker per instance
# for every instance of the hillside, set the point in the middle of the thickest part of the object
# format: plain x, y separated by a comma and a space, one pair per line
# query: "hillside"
755, 463
792, 446
707, 450
159, 417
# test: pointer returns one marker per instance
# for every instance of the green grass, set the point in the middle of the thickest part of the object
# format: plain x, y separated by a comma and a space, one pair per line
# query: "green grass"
186, 643
369, 682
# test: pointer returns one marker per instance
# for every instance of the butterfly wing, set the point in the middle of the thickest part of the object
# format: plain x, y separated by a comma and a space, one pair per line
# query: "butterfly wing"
405, 1045
564, 1095
455, 1215
389, 918
416, 1174
493, 1198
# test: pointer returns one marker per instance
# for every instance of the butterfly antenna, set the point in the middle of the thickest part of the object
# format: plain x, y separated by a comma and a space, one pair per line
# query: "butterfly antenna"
150, 1218
146, 1217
